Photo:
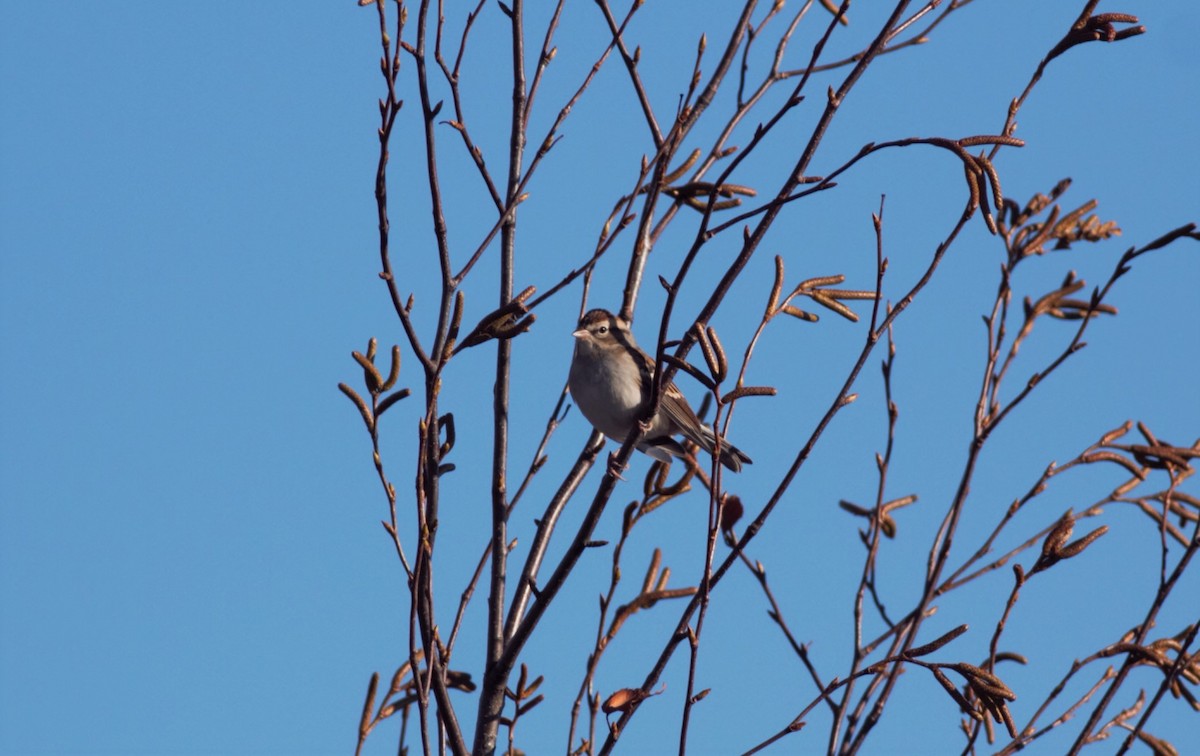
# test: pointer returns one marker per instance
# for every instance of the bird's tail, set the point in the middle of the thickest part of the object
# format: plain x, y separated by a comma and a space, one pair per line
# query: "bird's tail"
731, 456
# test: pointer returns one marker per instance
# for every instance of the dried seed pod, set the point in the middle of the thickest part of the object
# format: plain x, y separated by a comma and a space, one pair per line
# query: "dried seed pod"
623, 700
627, 699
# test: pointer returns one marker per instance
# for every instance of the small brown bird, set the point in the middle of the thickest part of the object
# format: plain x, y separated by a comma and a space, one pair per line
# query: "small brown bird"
611, 380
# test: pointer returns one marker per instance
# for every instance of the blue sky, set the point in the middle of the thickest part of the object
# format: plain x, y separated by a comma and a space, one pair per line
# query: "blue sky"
190, 554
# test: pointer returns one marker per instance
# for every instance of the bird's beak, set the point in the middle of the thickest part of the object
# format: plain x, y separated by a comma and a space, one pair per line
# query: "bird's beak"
580, 333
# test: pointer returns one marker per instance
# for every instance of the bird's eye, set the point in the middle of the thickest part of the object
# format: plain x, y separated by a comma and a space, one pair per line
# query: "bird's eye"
602, 330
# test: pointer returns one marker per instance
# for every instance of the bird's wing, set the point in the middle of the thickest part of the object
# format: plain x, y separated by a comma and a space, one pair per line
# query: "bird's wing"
683, 417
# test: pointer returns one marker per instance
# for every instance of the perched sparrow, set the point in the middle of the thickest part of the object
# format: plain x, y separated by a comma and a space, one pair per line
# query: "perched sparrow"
611, 380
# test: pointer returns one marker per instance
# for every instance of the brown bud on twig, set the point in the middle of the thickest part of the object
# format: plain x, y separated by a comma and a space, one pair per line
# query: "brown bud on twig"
796, 312
446, 425
932, 646
1077, 546
1158, 746
743, 391
393, 372
690, 370
1097, 28
853, 508
719, 351
391, 399
714, 354
985, 139
1164, 456
676, 174
502, 323
822, 298
371, 374
362, 406
1055, 547
984, 683
776, 288
364, 725
1011, 656
1054, 541
652, 571
992, 693
816, 283
455, 322
958, 697
402, 672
